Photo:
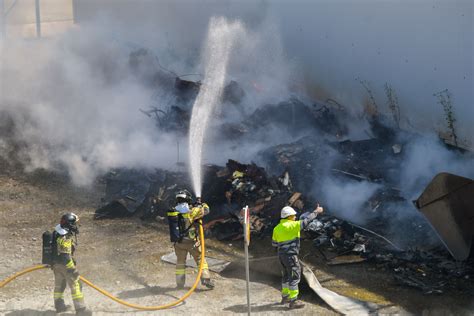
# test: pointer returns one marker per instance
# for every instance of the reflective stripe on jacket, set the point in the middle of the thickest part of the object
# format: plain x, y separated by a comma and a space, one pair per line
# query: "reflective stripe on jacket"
197, 212
65, 245
286, 235
185, 222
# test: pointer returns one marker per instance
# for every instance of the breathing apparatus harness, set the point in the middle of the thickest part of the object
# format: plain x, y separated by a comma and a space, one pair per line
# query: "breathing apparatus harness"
67, 225
177, 216
118, 300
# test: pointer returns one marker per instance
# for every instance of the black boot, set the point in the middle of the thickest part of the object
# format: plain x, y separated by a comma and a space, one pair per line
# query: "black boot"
84, 312
296, 304
208, 283
180, 283
60, 306
285, 300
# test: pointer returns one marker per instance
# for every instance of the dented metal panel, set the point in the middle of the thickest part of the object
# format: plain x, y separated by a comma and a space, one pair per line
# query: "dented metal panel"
448, 204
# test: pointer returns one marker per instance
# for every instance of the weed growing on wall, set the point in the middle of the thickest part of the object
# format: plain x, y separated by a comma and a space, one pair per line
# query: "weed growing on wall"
444, 98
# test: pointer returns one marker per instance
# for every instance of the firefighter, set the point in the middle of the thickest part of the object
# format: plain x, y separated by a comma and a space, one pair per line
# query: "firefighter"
286, 237
184, 233
64, 266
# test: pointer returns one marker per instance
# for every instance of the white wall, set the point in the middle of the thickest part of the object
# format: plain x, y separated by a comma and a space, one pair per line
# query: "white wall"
419, 47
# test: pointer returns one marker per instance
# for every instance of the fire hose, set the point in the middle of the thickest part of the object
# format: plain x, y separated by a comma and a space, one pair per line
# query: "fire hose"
116, 299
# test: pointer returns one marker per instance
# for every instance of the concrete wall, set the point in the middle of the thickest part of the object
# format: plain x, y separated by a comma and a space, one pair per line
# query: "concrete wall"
19, 17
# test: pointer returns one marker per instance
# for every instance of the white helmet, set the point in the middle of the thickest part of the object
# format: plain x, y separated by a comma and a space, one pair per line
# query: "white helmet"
287, 211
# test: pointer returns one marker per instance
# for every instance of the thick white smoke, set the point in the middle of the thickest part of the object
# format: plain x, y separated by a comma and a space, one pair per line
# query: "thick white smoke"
74, 104
347, 198
75, 101
426, 157
418, 47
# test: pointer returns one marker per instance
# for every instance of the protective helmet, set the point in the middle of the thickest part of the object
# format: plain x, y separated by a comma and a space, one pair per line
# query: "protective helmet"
183, 196
287, 211
69, 222
237, 174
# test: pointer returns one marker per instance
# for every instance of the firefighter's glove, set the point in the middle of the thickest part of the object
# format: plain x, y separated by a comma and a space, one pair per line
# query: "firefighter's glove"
318, 209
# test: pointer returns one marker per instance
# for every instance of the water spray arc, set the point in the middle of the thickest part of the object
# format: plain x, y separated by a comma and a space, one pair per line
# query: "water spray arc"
220, 39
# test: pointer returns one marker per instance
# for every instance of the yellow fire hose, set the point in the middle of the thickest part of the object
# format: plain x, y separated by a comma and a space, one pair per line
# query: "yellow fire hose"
116, 299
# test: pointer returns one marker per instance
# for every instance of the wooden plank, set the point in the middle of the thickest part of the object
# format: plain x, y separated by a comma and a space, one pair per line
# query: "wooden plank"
294, 198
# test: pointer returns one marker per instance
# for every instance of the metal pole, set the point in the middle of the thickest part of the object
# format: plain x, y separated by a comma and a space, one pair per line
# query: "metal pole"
74, 11
246, 247
38, 18
177, 147
3, 16
3, 34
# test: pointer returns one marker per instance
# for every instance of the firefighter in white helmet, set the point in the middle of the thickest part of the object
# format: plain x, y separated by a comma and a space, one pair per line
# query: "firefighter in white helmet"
182, 219
286, 237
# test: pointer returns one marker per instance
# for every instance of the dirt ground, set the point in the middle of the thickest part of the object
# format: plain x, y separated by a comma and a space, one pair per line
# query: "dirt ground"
123, 257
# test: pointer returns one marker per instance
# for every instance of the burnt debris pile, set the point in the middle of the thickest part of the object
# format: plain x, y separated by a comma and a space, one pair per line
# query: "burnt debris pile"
338, 241
309, 156
227, 189
431, 271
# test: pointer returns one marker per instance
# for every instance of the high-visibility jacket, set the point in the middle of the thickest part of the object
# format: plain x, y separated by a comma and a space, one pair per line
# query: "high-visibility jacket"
65, 248
286, 235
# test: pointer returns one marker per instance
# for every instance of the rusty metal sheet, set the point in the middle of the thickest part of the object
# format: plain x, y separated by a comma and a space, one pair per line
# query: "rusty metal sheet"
448, 204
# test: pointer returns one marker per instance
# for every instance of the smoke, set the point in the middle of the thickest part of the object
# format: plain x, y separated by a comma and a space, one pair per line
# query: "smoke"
347, 198
74, 105
427, 156
332, 42
397, 42
369, 203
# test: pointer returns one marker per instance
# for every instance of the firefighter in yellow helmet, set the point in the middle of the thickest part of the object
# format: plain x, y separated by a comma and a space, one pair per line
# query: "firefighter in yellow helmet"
64, 266
182, 219
286, 237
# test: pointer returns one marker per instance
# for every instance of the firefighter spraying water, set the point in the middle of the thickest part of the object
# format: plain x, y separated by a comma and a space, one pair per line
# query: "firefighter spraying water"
186, 214
183, 219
